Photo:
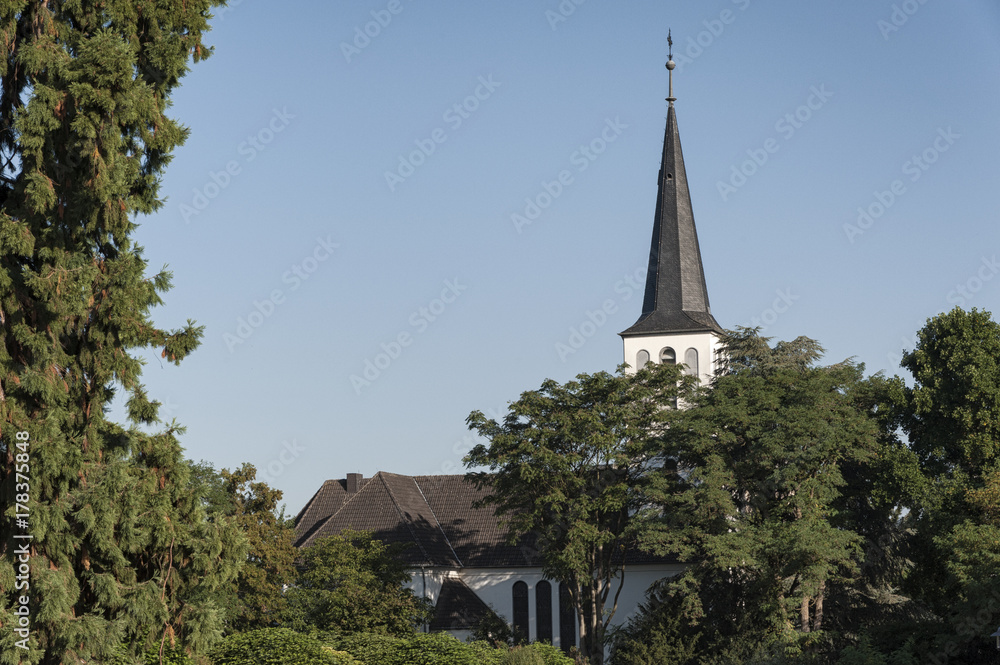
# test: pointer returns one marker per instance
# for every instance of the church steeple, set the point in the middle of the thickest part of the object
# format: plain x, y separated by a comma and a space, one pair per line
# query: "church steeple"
676, 324
676, 297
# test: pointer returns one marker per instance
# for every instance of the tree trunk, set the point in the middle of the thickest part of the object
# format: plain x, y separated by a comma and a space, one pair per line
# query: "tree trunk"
818, 611
582, 612
804, 614
591, 635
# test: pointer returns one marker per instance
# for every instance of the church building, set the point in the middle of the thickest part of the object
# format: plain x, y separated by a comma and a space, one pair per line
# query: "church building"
457, 553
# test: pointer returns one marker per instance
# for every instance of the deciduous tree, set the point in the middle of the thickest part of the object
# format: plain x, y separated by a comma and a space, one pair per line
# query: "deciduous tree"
353, 583
259, 588
566, 465
954, 416
749, 494
953, 424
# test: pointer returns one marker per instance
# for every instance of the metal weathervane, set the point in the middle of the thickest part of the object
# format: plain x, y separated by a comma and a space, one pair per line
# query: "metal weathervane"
670, 67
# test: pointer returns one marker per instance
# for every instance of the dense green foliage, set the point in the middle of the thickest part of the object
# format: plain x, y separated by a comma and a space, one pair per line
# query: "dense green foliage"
352, 583
831, 518
271, 646
282, 646
255, 598
434, 649
657, 633
371, 647
566, 465
443, 649
258, 597
750, 492
169, 656
121, 551
522, 656
952, 420
548, 654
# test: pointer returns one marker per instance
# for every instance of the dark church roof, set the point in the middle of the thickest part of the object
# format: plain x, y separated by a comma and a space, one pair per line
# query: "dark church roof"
434, 515
676, 297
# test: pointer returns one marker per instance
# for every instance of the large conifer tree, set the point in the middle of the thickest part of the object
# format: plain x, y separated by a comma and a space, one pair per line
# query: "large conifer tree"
121, 551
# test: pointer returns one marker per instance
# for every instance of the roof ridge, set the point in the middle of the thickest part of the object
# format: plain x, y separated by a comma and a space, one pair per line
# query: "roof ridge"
444, 533
413, 534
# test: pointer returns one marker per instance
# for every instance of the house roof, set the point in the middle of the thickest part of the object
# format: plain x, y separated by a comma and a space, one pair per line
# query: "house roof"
676, 296
434, 515
325, 502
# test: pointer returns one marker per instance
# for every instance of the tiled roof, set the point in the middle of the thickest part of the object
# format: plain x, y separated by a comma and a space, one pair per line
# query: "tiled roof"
458, 607
392, 508
325, 502
432, 514
475, 534
422, 524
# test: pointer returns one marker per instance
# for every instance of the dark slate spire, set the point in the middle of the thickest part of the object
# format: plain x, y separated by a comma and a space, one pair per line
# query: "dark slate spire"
676, 297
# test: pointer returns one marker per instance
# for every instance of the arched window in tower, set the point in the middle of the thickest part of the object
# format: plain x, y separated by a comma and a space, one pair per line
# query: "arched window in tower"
520, 594
667, 356
691, 360
567, 619
543, 612
641, 359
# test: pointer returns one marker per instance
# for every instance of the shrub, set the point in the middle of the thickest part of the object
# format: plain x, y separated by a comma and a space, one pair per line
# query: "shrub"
550, 655
523, 656
150, 657
440, 649
372, 648
421, 649
271, 646
486, 653
342, 657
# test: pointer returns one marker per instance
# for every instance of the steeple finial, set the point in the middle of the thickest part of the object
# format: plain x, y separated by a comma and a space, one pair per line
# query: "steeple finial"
670, 67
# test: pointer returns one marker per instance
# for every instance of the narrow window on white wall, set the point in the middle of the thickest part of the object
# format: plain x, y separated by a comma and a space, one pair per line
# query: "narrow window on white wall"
667, 356
641, 359
520, 623
691, 360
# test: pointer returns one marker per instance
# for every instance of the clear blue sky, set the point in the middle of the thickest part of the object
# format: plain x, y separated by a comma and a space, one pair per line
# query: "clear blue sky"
279, 203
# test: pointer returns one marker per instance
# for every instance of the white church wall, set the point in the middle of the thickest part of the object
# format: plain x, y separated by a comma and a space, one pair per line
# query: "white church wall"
495, 587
